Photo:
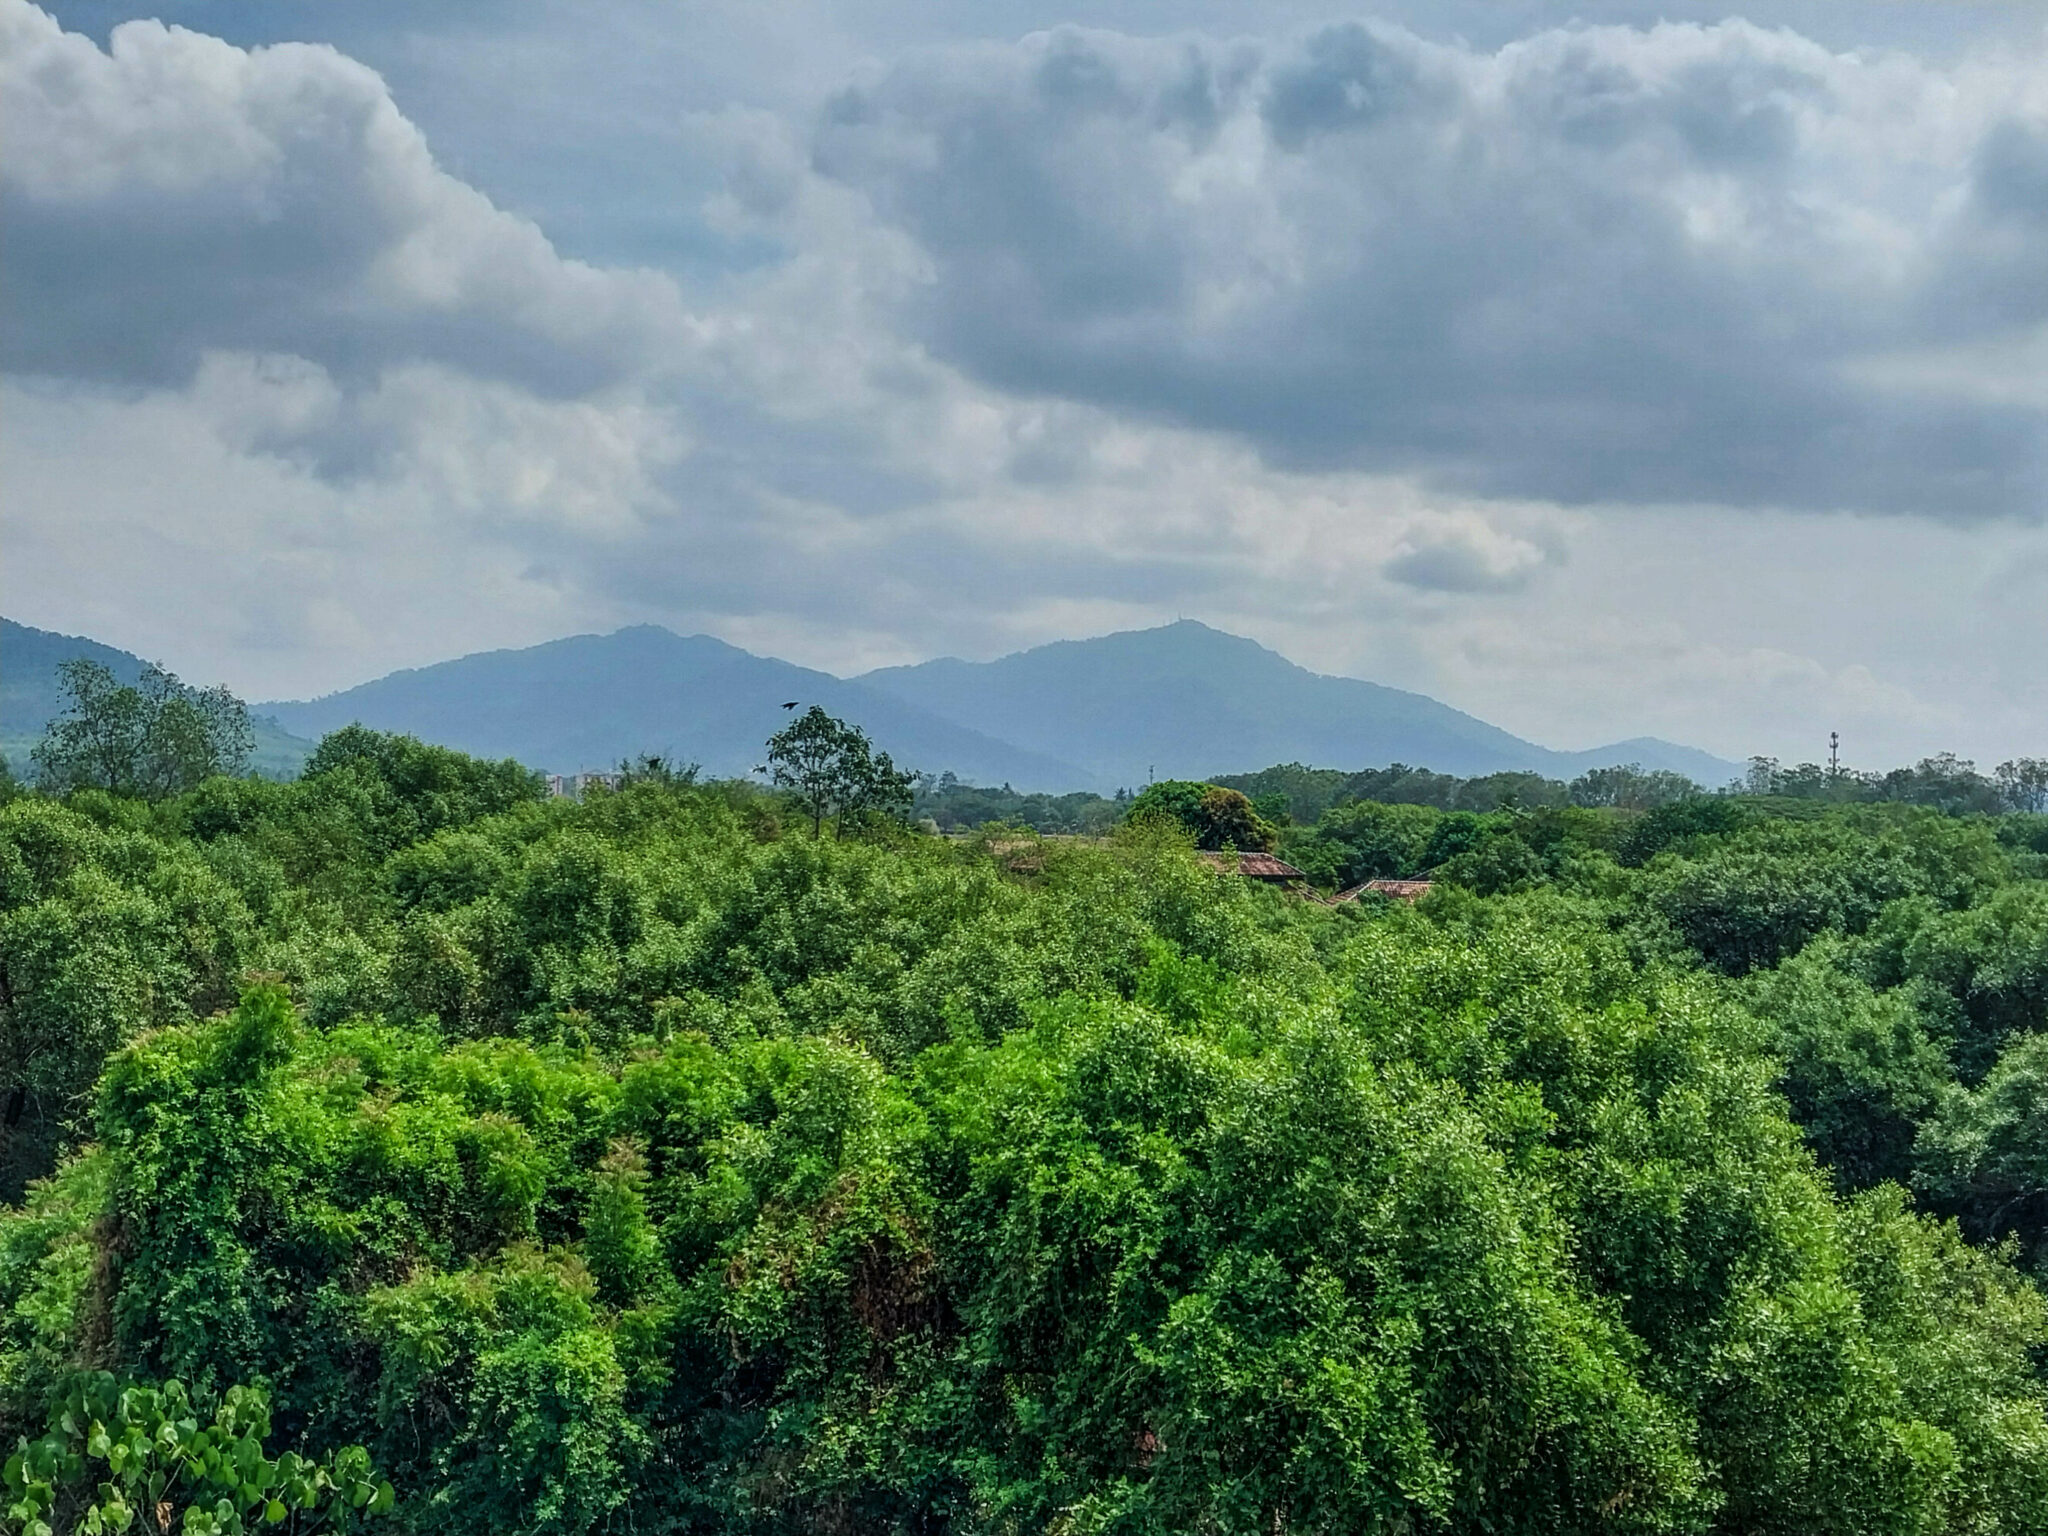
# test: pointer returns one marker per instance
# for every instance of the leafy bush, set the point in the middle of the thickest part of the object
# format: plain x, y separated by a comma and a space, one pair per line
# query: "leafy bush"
1216, 818
116, 1457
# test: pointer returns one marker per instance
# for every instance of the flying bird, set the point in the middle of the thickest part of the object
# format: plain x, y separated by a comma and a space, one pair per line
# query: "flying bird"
792, 704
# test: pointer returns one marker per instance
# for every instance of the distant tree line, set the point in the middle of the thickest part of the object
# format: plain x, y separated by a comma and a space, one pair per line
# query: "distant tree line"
1945, 782
951, 805
1293, 794
1304, 793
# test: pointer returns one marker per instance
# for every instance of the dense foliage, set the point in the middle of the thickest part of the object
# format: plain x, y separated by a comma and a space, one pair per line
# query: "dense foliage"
151, 738
648, 1163
1215, 818
945, 804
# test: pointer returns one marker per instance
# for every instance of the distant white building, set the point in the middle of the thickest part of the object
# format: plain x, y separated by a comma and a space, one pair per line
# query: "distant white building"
571, 786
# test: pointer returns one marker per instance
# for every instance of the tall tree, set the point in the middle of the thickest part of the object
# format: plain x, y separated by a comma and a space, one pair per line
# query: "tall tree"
2023, 783
154, 738
834, 770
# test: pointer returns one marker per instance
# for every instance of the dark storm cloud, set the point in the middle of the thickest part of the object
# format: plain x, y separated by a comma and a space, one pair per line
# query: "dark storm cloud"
1994, 272
1595, 267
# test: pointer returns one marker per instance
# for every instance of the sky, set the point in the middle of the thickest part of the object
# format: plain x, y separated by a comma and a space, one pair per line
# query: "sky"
1602, 369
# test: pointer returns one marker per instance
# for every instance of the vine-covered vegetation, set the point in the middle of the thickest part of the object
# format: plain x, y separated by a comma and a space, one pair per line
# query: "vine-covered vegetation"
651, 1164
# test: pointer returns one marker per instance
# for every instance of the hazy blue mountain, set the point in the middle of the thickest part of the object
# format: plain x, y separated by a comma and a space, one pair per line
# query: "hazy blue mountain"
1187, 701
1182, 701
29, 696
591, 700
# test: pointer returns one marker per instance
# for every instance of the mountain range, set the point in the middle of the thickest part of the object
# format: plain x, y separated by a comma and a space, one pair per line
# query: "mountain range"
1183, 700
1179, 701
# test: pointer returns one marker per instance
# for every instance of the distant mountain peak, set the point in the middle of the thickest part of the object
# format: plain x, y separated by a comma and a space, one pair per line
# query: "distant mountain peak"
1188, 700
1187, 642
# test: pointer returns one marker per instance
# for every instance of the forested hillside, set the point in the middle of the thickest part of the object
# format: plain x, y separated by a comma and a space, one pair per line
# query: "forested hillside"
650, 1164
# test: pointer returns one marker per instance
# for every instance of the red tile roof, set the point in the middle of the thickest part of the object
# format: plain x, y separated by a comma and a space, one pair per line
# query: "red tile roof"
1399, 890
1253, 866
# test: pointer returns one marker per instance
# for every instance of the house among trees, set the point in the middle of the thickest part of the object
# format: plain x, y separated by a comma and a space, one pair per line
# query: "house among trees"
1399, 890
1263, 867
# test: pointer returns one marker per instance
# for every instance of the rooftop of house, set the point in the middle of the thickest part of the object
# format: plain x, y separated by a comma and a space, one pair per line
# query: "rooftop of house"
1399, 890
1253, 866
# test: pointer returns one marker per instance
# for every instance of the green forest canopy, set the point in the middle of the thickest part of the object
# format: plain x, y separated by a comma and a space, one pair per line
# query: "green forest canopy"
649, 1164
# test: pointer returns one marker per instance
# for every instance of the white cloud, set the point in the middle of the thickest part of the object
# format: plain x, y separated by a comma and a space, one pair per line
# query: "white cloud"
173, 195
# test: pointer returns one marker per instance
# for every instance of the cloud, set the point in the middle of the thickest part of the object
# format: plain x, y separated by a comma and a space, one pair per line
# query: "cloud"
173, 195
1468, 554
1328, 340
1596, 266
